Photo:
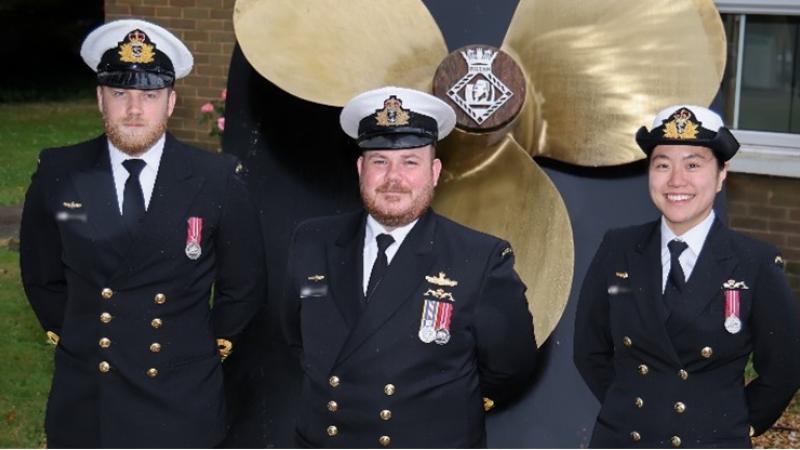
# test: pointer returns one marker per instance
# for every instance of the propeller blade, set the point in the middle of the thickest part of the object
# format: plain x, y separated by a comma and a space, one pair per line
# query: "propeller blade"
327, 51
599, 70
496, 188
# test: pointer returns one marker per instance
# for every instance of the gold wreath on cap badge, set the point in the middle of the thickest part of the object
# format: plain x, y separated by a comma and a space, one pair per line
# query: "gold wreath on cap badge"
136, 50
392, 113
681, 127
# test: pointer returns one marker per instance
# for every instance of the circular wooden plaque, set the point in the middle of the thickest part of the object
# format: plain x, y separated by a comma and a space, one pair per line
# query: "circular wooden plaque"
483, 84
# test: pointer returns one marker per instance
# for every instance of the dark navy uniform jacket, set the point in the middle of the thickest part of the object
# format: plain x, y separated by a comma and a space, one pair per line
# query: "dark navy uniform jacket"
677, 379
370, 380
137, 363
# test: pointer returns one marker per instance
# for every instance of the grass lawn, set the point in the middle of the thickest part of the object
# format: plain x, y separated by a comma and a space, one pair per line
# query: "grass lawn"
27, 363
27, 128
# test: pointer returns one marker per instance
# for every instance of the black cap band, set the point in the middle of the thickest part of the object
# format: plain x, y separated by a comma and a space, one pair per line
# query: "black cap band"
418, 131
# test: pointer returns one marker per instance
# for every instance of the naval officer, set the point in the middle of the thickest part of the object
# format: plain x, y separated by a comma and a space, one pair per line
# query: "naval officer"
408, 325
671, 311
122, 238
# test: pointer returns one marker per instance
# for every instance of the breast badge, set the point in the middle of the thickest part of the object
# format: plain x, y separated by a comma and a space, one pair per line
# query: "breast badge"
437, 310
72, 205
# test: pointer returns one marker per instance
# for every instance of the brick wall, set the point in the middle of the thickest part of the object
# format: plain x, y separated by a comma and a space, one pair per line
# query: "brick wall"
768, 208
206, 27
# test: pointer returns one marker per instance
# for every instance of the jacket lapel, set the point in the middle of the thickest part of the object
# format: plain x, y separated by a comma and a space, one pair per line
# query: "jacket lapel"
645, 275
405, 273
345, 257
95, 186
714, 266
175, 188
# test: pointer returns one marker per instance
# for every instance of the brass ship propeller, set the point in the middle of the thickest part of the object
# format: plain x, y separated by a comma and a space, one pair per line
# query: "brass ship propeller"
591, 74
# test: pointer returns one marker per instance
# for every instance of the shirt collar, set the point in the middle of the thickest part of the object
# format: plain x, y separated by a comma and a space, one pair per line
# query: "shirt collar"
695, 237
399, 234
152, 156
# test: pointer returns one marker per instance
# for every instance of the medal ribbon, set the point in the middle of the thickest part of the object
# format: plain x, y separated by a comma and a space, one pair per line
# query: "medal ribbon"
731, 302
428, 314
194, 230
443, 315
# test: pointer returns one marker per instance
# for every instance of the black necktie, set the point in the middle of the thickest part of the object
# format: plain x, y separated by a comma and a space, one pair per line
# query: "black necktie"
133, 198
381, 262
676, 281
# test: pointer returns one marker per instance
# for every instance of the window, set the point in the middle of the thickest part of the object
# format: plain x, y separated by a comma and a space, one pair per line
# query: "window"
760, 93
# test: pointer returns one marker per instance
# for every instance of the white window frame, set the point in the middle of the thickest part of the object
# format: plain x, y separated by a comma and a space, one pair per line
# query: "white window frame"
762, 152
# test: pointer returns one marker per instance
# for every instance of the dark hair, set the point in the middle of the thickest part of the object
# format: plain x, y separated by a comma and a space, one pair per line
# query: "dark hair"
720, 163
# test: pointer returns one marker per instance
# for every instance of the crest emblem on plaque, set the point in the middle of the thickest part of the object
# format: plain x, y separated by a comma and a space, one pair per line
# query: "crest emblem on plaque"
479, 93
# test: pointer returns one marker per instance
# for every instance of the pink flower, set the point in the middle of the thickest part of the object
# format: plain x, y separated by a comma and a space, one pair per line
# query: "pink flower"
207, 108
221, 124
224, 94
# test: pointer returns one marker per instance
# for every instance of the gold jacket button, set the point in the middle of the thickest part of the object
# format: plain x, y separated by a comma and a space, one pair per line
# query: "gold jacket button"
105, 317
627, 342
676, 441
107, 293
156, 323
332, 431
105, 342
683, 374
152, 372
635, 436
160, 299
680, 407
643, 369
389, 389
155, 347
639, 402
334, 381
386, 414
385, 441
104, 366
333, 406
706, 352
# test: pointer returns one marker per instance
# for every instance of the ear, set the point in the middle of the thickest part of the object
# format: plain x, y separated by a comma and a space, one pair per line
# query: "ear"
437, 169
359, 165
100, 99
173, 96
722, 175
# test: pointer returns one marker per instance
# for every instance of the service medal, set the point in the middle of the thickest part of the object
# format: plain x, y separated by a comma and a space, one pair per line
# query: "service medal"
193, 251
426, 331
194, 233
733, 324
442, 336
427, 334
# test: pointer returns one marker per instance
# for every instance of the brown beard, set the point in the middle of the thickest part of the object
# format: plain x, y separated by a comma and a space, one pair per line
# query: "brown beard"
394, 220
134, 145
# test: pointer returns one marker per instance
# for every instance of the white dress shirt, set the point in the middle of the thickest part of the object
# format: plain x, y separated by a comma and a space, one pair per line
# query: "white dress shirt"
694, 238
371, 245
147, 177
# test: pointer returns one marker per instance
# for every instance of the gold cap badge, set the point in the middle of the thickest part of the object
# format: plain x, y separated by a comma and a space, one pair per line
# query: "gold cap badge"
682, 126
135, 49
392, 114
